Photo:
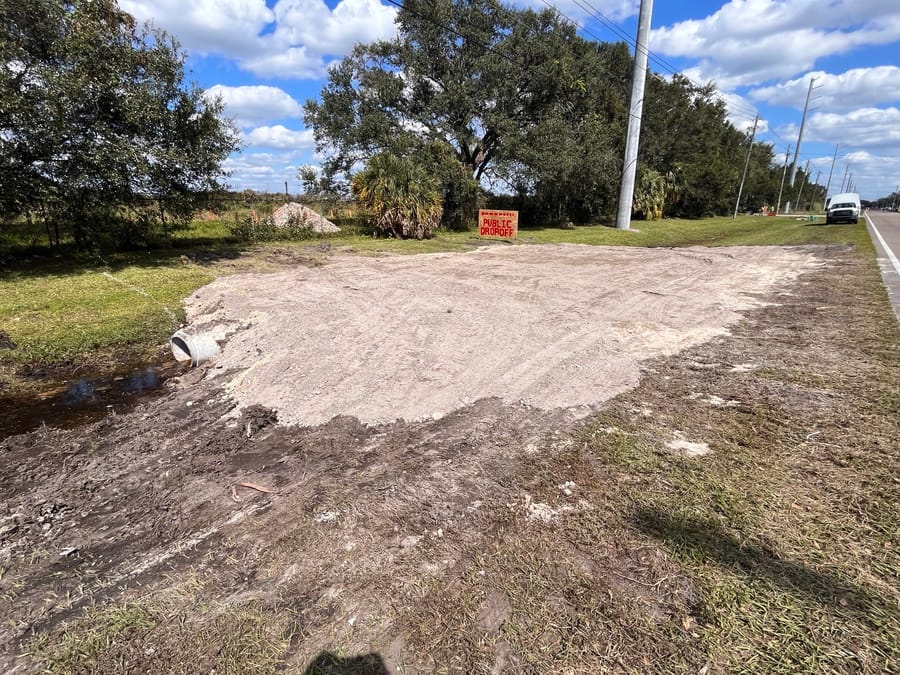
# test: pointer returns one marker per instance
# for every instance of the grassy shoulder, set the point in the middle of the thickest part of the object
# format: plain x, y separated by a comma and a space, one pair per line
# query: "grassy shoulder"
56, 310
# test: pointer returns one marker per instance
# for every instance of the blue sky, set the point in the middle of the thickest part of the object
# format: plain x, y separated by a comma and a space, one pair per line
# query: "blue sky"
266, 57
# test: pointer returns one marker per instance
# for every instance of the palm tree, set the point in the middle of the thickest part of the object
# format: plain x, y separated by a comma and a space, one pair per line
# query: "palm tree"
405, 199
650, 195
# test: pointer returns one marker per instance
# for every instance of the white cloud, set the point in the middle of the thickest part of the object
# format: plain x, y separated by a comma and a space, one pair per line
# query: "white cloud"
207, 26
741, 113
280, 138
844, 91
265, 171
873, 134
253, 105
754, 41
293, 39
864, 128
873, 175
309, 23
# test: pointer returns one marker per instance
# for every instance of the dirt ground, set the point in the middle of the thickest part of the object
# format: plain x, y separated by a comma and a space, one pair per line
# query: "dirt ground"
417, 337
379, 472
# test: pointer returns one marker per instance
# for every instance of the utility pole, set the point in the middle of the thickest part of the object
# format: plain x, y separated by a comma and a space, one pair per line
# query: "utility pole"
815, 183
844, 180
831, 173
800, 135
805, 179
787, 160
632, 139
746, 166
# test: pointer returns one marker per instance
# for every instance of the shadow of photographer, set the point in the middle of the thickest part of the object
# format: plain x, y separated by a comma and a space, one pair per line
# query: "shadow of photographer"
329, 663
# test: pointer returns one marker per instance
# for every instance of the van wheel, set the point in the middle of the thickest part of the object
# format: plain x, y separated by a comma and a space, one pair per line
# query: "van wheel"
855, 221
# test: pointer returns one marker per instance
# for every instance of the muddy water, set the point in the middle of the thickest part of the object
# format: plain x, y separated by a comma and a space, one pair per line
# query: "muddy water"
86, 399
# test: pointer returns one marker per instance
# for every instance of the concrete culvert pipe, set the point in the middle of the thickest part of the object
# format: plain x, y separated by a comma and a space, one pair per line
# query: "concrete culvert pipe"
193, 348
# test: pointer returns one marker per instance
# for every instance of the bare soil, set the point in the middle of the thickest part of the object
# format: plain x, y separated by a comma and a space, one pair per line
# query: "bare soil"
417, 337
367, 482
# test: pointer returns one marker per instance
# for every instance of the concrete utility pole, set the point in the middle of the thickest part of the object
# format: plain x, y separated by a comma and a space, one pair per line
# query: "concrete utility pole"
805, 179
800, 135
815, 183
844, 179
632, 139
787, 160
831, 173
746, 166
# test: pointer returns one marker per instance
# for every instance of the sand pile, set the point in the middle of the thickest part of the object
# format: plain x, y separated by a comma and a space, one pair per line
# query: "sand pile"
419, 336
295, 213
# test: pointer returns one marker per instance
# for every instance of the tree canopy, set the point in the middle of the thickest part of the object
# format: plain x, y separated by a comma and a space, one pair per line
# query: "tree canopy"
100, 135
531, 108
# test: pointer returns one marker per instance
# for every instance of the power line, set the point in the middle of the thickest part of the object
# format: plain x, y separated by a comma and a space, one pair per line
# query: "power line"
593, 12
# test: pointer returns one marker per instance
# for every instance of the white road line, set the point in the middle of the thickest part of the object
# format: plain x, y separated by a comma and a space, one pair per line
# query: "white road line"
890, 253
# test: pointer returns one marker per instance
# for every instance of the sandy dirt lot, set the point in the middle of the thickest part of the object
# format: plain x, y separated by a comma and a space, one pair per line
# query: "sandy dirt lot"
432, 503
418, 337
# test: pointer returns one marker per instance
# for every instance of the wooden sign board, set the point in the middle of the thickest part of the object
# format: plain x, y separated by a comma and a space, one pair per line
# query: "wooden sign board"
498, 224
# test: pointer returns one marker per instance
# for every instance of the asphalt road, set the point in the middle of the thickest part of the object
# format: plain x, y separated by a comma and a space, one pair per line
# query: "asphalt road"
884, 228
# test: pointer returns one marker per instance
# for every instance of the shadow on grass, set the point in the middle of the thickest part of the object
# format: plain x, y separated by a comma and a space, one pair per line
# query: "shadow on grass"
708, 541
329, 663
36, 261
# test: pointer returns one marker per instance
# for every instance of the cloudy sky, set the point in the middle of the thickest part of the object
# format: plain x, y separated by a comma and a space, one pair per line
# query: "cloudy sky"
266, 57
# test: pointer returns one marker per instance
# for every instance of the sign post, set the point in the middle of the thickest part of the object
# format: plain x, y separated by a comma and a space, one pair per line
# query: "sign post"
494, 224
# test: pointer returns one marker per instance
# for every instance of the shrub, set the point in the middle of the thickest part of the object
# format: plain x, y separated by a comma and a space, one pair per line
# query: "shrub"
404, 198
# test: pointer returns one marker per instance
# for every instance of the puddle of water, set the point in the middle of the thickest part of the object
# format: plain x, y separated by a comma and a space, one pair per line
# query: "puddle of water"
87, 399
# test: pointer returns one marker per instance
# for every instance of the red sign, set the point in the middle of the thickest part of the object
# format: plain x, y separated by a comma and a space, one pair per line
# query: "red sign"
498, 224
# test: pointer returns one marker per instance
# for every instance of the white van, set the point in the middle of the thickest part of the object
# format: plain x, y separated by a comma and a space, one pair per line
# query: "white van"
843, 207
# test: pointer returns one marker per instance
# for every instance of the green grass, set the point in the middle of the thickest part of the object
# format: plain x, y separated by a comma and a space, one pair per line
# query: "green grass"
744, 231
83, 647
117, 638
67, 313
